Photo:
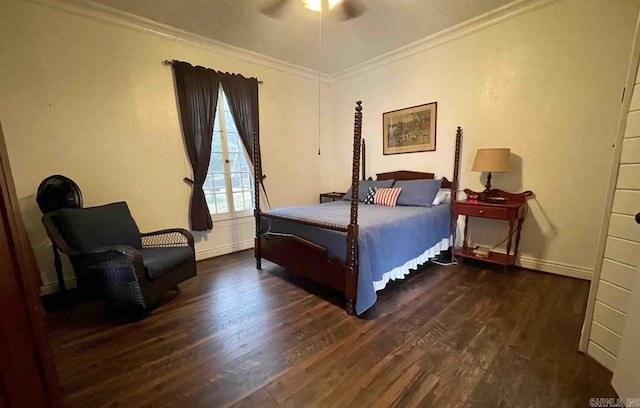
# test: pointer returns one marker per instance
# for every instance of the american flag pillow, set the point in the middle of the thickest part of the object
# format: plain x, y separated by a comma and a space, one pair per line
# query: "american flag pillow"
387, 196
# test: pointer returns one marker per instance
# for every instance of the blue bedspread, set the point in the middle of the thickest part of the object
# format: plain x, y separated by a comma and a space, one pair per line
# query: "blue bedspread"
388, 236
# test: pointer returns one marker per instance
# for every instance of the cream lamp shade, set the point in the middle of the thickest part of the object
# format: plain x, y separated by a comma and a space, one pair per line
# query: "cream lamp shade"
495, 160
492, 160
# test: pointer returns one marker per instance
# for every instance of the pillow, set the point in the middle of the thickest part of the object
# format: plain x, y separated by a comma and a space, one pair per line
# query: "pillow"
443, 196
387, 196
363, 188
370, 198
94, 227
418, 192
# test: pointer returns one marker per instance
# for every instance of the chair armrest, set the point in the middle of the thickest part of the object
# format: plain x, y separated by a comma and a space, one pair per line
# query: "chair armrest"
167, 238
115, 253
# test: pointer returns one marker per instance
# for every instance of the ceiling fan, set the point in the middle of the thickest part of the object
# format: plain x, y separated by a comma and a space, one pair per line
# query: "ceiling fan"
349, 8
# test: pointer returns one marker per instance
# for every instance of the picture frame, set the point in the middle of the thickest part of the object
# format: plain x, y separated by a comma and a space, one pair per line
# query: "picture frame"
410, 130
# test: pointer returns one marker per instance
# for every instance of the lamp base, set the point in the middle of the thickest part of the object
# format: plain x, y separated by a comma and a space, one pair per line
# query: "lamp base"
487, 187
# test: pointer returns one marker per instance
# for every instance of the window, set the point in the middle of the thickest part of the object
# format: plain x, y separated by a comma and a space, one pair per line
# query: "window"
229, 185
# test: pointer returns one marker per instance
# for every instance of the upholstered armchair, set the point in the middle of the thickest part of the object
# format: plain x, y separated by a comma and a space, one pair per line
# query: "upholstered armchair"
113, 261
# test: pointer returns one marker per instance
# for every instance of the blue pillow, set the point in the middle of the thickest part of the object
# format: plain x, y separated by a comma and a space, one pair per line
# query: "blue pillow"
418, 192
95, 227
363, 188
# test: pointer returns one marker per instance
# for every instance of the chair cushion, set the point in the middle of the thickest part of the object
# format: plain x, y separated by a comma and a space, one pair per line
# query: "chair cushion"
159, 261
95, 227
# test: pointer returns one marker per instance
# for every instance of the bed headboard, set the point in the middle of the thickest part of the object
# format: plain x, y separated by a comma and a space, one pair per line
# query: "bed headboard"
417, 175
411, 175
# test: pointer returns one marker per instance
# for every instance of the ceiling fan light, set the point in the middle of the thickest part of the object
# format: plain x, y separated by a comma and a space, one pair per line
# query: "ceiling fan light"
315, 5
333, 3
319, 5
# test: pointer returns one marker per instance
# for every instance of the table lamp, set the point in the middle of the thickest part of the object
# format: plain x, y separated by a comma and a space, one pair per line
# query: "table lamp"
489, 161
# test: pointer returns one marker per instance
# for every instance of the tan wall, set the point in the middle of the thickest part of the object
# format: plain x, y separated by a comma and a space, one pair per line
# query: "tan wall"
90, 99
546, 83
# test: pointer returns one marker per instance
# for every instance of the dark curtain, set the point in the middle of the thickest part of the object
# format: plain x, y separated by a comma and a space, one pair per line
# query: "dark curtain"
197, 89
242, 95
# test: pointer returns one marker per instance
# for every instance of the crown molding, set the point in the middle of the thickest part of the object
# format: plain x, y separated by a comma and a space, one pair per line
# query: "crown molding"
468, 27
114, 17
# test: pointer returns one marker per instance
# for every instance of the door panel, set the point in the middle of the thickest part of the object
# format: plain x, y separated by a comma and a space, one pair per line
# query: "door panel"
626, 376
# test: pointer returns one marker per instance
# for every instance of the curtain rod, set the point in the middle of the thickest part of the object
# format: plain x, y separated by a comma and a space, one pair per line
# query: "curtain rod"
170, 62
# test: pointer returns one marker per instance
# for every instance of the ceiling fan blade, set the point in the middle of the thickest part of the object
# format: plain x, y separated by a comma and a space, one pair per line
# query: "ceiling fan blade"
351, 9
274, 8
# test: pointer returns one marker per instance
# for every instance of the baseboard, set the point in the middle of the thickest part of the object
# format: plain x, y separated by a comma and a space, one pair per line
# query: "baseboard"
555, 267
223, 250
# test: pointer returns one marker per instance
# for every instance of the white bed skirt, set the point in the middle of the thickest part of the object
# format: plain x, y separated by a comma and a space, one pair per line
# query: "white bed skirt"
401, 271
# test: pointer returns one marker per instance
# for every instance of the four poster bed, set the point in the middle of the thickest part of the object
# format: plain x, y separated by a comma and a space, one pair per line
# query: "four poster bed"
330, 244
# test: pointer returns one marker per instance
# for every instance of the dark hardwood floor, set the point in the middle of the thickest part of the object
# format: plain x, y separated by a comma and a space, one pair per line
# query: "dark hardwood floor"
445, 337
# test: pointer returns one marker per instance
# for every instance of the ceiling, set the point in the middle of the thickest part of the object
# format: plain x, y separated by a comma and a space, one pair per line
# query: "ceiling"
294, 37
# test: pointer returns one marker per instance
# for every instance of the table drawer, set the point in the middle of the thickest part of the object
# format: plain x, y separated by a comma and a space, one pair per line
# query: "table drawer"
485, 212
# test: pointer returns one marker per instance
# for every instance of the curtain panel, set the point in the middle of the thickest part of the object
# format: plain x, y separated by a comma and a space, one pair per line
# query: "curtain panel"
197, 89
242, 96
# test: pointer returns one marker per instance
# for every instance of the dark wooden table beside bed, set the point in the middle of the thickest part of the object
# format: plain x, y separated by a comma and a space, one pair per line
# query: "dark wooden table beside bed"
357, 248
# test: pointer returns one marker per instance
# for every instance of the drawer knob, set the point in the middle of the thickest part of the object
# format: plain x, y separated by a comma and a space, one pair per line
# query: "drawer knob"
481, 211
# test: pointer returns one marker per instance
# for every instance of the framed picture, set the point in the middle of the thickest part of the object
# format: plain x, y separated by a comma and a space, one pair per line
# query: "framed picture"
410, 130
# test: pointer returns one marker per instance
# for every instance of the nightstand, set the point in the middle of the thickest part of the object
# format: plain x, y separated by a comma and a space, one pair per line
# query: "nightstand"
333, 196
497, 205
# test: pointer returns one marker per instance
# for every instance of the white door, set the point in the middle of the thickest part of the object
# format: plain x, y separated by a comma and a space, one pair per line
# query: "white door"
626, 375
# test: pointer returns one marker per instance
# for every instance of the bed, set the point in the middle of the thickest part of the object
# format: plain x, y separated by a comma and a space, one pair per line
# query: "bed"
351, 247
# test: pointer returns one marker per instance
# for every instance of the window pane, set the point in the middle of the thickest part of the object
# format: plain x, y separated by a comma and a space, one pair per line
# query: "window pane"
216, 143
244, 165
248, 200
216, 124
228, 119
246, 182
216, 164
238, 202
232, 142
234, 161
208, 184
236, 182
219, 184
221, 203
210, 203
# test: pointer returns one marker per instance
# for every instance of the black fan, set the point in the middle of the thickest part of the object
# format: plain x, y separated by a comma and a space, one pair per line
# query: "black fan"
56, 192
350, 8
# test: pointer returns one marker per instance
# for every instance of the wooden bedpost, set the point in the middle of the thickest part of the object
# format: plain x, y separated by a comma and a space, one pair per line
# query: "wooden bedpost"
456, 165
257, 177
364, 160
351, 278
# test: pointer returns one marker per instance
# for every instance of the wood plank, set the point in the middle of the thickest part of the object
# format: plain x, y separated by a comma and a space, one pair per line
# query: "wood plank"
605, 338
625, 227
635, 98
609, 317
630, 151
260, 398
602, 356
629, 177
620, 250
633, 125
613, 296
617, 273
626, 202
